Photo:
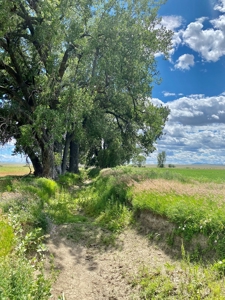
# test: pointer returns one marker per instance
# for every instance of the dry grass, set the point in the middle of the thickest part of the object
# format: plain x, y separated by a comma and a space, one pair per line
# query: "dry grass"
209, 190
14, 170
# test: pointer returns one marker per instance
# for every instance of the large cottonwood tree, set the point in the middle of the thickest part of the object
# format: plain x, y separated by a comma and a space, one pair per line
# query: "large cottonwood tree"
71, 67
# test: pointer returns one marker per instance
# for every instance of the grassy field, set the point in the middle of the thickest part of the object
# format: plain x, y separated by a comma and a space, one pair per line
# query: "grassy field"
201, 174
181, 210
13, 170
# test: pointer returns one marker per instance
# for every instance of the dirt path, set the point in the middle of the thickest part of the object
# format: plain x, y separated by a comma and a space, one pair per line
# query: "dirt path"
91, 269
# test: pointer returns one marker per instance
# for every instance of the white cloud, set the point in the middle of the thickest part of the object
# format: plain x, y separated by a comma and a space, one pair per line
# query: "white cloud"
220, 6
172, 22
168, 94
195, 131
197, 110
185, 61
209, 43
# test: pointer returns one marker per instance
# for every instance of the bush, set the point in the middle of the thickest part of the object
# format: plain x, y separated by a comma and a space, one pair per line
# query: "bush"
171, 166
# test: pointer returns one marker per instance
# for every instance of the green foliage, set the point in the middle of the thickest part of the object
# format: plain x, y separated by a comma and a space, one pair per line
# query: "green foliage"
171, 166
18, 280
30, 211
189, 281
69, 179
47, 186
93, 172
139, 160
22, 277
80, 79
106, 201
6, 237
161, 158
6, 184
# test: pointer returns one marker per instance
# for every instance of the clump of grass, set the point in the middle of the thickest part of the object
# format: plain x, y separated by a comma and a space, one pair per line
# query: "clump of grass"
6, 184
6, 237
22, 275
29, 210
18, 280
47, 187
192, 215
186, 281
106, 201
69, 179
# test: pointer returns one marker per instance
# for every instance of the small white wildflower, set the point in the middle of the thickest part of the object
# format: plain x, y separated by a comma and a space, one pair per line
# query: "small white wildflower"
200, 227
215, 241
220, 262
183, 228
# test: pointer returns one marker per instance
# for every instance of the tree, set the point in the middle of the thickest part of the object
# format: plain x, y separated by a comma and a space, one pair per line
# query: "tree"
63, 62
161, 159
139, 160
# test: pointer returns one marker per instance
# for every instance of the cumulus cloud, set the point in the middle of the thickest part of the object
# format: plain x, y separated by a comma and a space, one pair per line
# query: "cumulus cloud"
172, 22
198, 110
220, 6
195, 131
185, 61
210, 42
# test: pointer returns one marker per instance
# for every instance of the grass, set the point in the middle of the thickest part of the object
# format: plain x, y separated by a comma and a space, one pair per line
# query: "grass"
202, 175
6, 237
192, 200
14, 170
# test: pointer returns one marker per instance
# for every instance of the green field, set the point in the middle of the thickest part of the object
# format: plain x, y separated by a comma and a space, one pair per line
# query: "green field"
201, 174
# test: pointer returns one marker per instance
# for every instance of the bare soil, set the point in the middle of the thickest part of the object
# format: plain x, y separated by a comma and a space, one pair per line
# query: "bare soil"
90, 269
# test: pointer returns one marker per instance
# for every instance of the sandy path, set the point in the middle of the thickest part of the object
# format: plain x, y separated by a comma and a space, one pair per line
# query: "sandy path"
92, 271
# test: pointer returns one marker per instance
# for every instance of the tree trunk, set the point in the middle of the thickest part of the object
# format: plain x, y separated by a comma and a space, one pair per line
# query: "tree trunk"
66, 151
48, 163
74, 157
38, 170
58, 158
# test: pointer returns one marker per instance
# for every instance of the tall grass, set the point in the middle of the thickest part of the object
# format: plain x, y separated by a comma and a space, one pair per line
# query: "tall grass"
6, 237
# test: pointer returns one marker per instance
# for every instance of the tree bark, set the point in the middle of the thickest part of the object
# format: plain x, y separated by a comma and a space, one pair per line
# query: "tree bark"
38, 170
74, 157
58, 159
69, 137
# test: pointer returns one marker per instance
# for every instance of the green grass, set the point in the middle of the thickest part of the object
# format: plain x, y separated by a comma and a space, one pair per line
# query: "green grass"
202, 175
6, 237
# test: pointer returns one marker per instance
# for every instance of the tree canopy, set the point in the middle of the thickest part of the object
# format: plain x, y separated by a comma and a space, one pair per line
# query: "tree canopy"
76, 79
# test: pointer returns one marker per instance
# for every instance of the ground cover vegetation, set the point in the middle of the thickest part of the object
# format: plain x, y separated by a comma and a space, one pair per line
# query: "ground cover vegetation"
76, 80
179, 214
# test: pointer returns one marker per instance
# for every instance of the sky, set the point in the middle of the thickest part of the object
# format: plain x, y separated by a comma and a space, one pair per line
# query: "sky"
193, 85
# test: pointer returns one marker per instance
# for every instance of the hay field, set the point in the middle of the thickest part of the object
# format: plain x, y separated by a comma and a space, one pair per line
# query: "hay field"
13, 169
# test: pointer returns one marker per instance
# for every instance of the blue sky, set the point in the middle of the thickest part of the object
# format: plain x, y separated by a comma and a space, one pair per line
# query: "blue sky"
193, 84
